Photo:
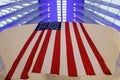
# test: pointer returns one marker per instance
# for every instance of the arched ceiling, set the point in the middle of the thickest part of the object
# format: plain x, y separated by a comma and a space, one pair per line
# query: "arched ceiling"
18, 12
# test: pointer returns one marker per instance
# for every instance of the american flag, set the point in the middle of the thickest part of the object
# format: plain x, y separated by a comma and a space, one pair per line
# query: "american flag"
58, 48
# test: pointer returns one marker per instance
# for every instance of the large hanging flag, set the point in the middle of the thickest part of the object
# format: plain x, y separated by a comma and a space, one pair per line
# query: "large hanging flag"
59, 48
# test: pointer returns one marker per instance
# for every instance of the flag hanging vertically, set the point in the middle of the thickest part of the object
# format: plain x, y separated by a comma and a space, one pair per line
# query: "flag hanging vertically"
59, 48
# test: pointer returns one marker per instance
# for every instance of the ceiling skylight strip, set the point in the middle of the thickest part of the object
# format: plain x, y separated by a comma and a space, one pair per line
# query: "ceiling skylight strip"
61, 10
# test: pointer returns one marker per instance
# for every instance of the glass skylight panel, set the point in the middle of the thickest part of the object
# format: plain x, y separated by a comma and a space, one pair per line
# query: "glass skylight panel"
102, 15
25, 13
9, 20
13, 18
59, 14
117, 22
5, 11
19, 15
64, 9
99, 22
4, 22
119, 13
116, 2
104, 7
26, 4
33, 2
113, 10
18, 7
2, 2
1, 25
87, 1
59, 18
109, 18
109, 7
61, 9
107, 0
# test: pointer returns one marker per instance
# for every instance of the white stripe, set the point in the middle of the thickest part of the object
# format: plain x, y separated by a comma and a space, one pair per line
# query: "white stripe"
23, 60
63, 57
49, 54
38, 50
77, 57
90, 53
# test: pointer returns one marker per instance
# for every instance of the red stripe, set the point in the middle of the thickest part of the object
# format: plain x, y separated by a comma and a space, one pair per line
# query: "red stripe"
86, 61
16, 62
28, 64
41, 56
96, 52
56, 55
70, 57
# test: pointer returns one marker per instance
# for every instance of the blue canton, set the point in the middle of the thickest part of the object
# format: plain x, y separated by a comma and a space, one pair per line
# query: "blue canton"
49, 25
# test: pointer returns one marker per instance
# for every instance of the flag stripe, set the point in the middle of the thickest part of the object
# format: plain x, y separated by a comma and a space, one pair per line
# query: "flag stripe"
96, 52
40, 59
63, 60
16, 62
70, 57
56, 54
49, 54
23, 60
38, 50
78, 60
90, 53
31, 57
86, 61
